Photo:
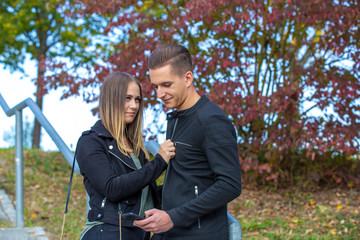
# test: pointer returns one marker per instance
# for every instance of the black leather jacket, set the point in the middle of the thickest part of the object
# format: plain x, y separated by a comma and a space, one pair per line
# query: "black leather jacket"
204, 175
111, 178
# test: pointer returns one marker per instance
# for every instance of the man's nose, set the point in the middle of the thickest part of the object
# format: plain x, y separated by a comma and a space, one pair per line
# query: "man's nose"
160, 92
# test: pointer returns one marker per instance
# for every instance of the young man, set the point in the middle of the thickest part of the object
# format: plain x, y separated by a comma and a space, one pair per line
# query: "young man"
205, 173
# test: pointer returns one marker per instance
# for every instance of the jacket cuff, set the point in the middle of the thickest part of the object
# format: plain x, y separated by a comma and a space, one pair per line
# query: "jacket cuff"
161, 159
174, 217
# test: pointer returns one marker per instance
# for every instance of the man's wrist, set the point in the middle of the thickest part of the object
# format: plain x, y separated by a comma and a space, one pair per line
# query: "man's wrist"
170, 217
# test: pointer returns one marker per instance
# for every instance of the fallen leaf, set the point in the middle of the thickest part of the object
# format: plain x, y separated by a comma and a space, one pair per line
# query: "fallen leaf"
295, 220
322, 208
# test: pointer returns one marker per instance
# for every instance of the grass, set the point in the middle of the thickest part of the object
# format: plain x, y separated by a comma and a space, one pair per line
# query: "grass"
295, 214
4, 224
46, 179
281, 214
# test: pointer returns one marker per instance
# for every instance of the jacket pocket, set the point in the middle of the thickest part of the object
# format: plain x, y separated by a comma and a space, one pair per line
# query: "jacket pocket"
96, 213
182, 143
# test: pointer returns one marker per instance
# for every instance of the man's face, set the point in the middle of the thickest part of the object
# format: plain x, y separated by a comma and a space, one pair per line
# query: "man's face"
170, 88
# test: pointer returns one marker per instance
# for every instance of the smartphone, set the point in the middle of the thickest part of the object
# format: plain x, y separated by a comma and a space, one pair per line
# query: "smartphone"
131, 216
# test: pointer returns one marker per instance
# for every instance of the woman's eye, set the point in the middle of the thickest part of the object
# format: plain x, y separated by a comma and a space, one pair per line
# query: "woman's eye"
137, 100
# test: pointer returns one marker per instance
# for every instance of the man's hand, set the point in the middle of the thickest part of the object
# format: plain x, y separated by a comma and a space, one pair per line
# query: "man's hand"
156, 221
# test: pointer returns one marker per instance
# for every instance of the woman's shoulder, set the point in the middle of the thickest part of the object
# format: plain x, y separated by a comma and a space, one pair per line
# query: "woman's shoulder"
89, 139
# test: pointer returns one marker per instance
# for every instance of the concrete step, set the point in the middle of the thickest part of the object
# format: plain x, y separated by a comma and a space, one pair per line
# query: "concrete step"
13, 234
33, 233
8, 214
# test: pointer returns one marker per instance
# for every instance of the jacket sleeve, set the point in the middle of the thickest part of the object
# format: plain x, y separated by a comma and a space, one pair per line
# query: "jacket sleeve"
95, 165
221, 150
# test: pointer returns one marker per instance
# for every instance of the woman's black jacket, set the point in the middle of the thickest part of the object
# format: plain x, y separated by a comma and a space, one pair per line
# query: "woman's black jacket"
111, 178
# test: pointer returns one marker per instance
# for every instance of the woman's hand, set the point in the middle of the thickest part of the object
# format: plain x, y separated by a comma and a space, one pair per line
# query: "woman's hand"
167, 150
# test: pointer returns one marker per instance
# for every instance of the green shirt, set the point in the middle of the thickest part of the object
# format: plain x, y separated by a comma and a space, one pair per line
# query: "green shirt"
146, 198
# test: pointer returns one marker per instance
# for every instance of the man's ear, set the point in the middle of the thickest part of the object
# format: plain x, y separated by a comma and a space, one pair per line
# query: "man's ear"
189, 78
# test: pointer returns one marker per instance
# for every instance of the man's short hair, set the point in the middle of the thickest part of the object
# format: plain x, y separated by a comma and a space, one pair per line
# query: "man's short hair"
177, 56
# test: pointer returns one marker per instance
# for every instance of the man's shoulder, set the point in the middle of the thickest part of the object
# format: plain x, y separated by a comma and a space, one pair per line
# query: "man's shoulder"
210, 111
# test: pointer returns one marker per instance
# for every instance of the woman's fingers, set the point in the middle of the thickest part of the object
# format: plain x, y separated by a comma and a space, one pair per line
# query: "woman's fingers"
167, 150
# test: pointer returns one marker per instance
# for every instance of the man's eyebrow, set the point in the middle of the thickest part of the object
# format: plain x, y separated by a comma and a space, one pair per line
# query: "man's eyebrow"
162, 83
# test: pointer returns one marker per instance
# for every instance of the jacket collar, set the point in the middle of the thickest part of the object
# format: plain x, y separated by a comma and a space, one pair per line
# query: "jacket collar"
100, 130
186, 112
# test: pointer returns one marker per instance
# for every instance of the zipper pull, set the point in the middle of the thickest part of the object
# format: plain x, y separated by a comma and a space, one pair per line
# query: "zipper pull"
103, 203
197, 194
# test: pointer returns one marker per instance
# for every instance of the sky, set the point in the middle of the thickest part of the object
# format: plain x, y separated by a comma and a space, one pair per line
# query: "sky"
69, 117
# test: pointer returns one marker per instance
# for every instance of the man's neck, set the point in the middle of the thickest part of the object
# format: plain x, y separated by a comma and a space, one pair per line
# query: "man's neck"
191, 100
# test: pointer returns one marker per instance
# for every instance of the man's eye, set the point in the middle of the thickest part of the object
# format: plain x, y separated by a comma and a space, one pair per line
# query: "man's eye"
167, 85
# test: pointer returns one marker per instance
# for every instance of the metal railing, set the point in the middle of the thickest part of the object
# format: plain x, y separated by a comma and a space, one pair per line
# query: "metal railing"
19, 159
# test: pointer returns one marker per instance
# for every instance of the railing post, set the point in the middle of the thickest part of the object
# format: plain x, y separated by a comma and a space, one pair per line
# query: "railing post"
19, 169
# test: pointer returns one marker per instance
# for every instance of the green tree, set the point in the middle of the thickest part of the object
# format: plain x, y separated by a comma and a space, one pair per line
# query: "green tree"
51, 33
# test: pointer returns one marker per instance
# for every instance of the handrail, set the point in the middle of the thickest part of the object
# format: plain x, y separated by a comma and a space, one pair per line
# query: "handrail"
19, 160
66, 152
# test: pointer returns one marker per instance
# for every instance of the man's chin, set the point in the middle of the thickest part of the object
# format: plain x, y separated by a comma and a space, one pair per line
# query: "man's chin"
168, 105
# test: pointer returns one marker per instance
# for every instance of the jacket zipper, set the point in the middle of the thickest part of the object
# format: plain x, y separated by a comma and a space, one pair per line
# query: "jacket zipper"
185, 144
173, 133
119, 204
168, 166
197, 195
122, 160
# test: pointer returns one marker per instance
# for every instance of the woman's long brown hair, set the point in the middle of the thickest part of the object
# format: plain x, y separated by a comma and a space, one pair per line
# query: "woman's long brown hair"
112, 113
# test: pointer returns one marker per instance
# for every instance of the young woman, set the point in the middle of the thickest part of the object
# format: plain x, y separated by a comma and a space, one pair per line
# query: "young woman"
114, 163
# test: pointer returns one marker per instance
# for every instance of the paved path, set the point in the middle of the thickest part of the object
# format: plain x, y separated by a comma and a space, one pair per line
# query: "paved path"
8, 214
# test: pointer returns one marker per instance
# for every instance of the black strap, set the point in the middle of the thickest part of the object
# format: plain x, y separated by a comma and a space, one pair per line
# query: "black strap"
70, 184
68, 198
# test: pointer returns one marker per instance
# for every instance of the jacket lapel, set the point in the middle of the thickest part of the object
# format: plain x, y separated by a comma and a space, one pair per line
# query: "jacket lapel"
114, 151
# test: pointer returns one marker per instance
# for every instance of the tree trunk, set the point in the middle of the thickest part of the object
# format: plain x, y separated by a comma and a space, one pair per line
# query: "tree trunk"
37, 126
39, 101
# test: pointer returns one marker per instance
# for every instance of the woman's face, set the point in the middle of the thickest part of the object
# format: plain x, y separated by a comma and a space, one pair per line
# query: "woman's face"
132, 102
